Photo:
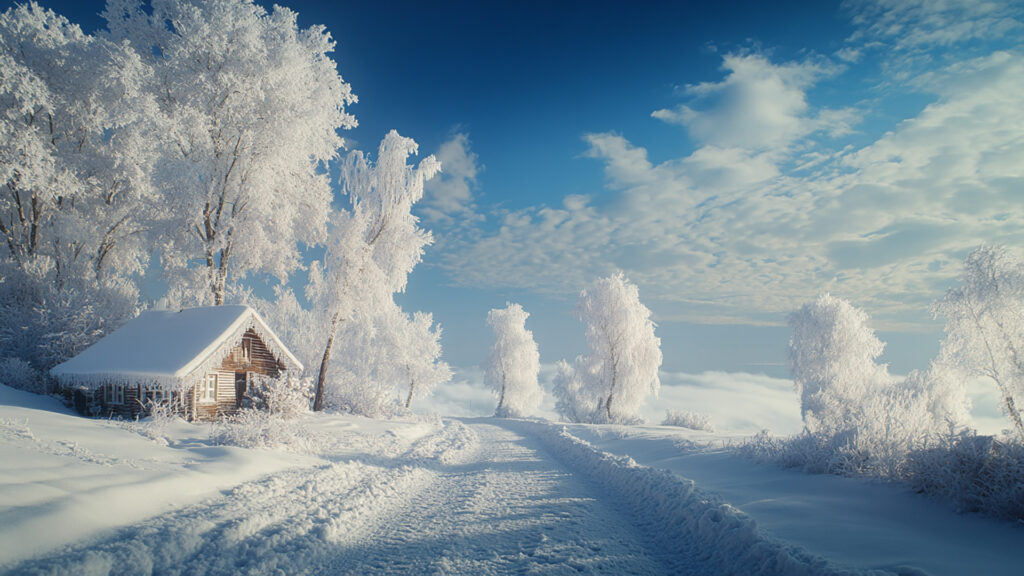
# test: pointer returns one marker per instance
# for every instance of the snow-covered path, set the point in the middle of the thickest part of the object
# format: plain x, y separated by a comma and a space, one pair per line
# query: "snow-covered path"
506, 508
473, 499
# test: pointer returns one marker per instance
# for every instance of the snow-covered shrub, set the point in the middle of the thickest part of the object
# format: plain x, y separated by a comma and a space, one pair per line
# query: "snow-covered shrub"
154, 426
976, 473
19, 374
832, 356
252, 428
858, 419
688, 419
287, 396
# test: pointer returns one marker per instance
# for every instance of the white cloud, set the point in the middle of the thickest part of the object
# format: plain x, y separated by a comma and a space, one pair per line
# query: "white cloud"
758, 106
732, 232
448, 197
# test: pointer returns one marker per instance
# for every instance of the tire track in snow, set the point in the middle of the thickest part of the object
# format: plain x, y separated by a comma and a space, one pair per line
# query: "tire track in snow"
510, 510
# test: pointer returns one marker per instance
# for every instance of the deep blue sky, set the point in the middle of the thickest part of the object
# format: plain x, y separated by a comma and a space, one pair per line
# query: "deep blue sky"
735, 159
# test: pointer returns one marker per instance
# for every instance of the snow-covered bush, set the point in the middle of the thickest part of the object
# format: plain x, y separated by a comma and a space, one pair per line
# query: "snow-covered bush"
688, 419
511, 369
832, 356
975, 473
622, 368
252, 428
287, 396
17, 373
160, 416
858, 419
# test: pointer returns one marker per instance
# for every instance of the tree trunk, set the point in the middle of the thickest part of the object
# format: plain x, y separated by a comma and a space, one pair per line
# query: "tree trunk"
501, 397
412, 388
611, 394
318, 397
1011, 409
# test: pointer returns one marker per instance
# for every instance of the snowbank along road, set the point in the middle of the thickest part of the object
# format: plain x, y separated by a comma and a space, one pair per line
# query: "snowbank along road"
476, 497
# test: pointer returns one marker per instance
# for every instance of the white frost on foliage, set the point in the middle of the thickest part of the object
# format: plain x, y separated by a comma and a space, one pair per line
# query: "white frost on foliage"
985, 325
368, 349
77, 154
622, 368
512, 368
832, 356
254, 105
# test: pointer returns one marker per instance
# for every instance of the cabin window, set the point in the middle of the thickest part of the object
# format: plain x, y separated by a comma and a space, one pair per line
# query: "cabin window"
113, 394
208, 389
153, 393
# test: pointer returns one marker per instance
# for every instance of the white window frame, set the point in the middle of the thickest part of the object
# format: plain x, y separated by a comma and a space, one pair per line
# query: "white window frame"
113, 393
153, 392
208, 389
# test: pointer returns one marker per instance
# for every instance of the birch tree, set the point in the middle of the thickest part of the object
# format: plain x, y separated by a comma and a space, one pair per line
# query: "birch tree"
985, 325
511, 369
625, 355
254, 104
375, 246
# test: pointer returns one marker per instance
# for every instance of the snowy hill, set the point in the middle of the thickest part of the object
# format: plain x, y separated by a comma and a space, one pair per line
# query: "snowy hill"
465, 496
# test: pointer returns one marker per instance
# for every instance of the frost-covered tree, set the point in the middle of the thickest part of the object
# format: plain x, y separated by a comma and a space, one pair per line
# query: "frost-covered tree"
857, 417
372, 251
254, 104
832, 354
611, 382
413, 347
512, 368
573, 400
985, 325
77, 199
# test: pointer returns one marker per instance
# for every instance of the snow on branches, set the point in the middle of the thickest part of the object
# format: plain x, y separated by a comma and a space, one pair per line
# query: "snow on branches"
253, 105
511, 369
370, 253
610, 383
985, 325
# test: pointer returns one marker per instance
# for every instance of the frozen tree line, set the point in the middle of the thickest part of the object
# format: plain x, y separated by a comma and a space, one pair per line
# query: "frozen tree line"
859, 419
192, 139
608, 385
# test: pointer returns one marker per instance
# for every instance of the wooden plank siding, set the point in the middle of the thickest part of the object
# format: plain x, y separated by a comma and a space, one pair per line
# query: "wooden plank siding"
250, 355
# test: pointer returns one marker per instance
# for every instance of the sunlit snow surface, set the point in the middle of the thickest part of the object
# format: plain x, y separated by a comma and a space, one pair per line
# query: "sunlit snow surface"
472, 496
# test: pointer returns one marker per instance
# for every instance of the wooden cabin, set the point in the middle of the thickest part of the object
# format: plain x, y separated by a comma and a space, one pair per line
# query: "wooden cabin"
202, 361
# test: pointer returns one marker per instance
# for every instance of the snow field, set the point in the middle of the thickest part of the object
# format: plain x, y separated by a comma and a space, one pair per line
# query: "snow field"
293, 521
687, 521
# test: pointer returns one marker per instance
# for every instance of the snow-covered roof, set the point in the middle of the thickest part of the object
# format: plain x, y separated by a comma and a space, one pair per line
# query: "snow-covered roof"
170, 347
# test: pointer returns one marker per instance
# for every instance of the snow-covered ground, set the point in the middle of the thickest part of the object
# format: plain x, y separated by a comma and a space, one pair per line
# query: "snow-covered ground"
471, 496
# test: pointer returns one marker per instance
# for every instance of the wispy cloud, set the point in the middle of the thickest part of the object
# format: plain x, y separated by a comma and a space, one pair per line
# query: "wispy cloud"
765, 213
448, 198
